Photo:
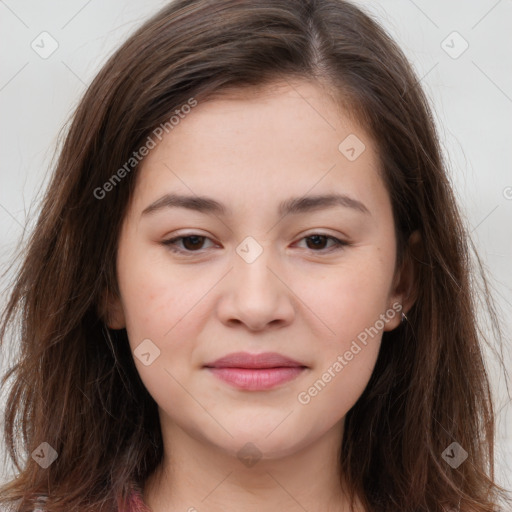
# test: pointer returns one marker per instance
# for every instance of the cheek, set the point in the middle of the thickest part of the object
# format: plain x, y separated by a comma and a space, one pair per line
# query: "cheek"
334, 389
149, 306
350, 297
350, 301
162, 308
158, 302
350, 306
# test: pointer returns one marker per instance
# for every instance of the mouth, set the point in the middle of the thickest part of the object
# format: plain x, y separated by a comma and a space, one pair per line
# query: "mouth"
255, 372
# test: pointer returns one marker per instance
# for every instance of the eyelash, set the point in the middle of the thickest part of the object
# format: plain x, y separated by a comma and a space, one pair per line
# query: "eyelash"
171, 243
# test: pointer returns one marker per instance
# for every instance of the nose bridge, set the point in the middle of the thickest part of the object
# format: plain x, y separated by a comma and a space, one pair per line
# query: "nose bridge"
255, 296
251, 270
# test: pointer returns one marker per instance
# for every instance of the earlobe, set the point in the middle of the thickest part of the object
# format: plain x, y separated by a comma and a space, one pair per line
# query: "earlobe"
111, 311
405, 290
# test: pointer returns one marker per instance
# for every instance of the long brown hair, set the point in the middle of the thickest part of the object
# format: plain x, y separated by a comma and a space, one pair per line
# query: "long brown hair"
75, 385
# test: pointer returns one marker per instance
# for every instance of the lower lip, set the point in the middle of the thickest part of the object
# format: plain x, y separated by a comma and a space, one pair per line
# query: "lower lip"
257, 379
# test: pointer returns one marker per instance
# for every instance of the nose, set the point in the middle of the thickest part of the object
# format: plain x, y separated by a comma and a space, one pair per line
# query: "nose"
256, 295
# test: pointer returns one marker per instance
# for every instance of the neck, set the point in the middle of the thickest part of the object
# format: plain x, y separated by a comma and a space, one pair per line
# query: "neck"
196, 475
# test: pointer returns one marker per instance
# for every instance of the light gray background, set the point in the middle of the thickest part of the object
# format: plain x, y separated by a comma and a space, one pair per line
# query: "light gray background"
471, 97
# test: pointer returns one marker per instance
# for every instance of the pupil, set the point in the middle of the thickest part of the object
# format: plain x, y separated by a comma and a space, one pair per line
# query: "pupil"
316, 238
196, 240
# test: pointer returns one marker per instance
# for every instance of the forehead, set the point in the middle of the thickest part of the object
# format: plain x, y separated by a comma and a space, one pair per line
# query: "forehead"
266, 142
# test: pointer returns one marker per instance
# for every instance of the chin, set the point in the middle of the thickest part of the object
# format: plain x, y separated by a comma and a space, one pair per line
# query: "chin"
258, 444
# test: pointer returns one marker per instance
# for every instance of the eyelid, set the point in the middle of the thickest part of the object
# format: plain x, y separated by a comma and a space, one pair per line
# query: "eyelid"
170, 243
338, 243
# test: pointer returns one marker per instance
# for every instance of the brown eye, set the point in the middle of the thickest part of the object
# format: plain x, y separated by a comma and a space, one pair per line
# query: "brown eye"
319, 242
194, 242
189, 243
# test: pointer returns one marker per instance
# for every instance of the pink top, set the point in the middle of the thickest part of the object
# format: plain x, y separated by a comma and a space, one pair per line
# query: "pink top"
135, 501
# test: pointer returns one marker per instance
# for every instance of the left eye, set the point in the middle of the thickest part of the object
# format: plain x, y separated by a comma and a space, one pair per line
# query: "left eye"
318, 241
193, 243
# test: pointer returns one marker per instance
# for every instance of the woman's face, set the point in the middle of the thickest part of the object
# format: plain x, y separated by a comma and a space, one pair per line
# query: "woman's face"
264, 185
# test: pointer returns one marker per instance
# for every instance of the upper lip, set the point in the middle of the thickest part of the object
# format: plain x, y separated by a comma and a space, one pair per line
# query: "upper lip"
246, 360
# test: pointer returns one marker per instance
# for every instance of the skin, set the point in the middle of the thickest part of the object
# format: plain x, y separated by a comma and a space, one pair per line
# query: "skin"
250, 151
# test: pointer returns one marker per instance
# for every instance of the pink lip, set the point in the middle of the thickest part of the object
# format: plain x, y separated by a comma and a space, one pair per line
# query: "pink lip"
255, 371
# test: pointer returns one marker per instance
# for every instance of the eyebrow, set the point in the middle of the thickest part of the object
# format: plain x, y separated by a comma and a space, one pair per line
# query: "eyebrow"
292, 206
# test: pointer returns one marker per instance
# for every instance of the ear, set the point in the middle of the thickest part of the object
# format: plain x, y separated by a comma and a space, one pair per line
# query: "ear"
111, 311
405, 285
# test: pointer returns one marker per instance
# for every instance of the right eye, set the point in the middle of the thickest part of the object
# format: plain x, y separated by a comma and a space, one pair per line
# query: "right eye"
191, 243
